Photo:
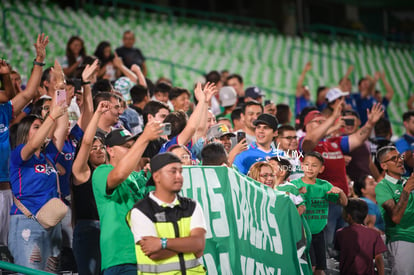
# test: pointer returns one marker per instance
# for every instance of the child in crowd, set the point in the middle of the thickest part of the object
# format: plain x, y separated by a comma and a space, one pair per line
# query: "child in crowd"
358, 244
318, 194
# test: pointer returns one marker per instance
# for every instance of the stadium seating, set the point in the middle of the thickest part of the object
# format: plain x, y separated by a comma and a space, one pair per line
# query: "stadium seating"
265, 59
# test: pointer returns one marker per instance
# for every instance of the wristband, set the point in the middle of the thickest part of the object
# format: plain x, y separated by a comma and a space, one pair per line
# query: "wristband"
38, 63
54, 120
85, 82
163, 243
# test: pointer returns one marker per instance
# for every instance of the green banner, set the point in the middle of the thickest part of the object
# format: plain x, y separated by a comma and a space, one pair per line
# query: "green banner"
251, 229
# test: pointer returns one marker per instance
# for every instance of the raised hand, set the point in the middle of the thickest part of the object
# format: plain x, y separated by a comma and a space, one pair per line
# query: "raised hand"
4, 67
350, 69
117, 61
338, 108
375, 114
58, 76
135, 68
103, 106
152, 130
58, 109
210, 90
89, 71
40, 46
308, 66
198, 92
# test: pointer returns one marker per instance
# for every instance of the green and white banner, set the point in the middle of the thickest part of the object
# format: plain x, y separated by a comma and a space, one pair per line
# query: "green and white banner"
251, 229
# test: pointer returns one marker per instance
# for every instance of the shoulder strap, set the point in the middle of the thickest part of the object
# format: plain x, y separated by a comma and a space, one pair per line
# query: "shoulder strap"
57, 176
22, 208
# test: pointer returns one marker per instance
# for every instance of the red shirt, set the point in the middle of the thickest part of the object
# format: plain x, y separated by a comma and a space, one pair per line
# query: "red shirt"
332, 150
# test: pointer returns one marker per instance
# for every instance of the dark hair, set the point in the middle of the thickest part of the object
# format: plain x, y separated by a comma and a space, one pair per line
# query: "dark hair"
162, 87
361, 80
103, 96
23, 130
45, 76
282, 113
138, 93
320, 89
282, 129
382, 128
358, 209
214, 154
406, 116
213, 77
69, 53
176, 92
127, 31
102, 85
37, 106
303, 114
235, 114
359, 185
239, 77
251, 103
285, 165
315, 155
153, 107
99, 53
178, 120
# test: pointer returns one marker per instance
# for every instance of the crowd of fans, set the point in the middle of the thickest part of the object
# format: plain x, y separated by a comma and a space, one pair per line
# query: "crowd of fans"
86, 129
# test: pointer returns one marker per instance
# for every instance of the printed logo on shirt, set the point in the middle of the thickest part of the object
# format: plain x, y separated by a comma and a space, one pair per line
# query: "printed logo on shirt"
3, 128
397, 192
332, 155
334, 145
68, 156
40, 168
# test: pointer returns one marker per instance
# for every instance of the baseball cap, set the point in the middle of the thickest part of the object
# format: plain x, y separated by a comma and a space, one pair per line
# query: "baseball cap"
218, 130
253, 92
124, 85
159, 161
335, 93
228, 96
118, 137
310, 116
267, 119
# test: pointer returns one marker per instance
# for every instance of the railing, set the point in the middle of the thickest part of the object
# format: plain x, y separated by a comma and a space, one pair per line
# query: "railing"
40, 18
321, 55
21, 269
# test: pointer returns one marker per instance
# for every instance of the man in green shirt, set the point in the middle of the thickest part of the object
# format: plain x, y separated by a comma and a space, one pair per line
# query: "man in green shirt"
117, 187
317, 197
394, 195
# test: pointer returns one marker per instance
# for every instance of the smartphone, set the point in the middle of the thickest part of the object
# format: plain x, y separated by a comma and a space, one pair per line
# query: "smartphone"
349, 121
60, 96
166, 129
267, 102
240, 136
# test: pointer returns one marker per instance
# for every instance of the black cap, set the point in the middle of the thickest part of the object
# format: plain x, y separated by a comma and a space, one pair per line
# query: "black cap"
118, 137
253, 92
268, 119
159, 161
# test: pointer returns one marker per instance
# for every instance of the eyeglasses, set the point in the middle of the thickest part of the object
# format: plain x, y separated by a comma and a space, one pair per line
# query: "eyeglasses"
96, 148
395, 158
290, 137
266, 175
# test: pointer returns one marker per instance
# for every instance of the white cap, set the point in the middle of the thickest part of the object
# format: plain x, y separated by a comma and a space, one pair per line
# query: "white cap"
228, 96
335, 93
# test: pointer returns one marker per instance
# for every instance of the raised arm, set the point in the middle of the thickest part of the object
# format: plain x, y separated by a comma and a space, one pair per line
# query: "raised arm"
34, 143
80, 168
88, 76
342, 82
141, 78
21, 100
312, 139
299, 84
390, 91
396, 210
130, 161
9, 90
201, 131
360, 136
120, 65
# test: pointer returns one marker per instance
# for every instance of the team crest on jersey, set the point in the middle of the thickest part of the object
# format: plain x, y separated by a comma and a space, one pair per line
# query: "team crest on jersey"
334, 145
68, 156
397, 192
40, 168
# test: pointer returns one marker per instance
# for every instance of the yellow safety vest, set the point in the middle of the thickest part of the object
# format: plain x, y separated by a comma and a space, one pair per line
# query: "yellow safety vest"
169, 223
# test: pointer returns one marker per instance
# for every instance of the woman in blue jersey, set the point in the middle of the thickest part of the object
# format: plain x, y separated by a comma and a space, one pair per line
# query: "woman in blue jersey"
34, 182
90, 154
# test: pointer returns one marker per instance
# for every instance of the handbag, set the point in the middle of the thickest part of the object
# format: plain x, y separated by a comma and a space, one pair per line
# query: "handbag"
51, 212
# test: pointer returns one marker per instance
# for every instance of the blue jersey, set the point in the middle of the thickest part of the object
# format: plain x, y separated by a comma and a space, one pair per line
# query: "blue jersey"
33, 181
373, 209
301, 103
66, 158
362, 104
174, 141
246, 159
6, 112
404, 144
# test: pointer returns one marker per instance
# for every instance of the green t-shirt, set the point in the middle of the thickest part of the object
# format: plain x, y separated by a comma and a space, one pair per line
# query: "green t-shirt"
116, 240
316, 201
390, 189
288, 187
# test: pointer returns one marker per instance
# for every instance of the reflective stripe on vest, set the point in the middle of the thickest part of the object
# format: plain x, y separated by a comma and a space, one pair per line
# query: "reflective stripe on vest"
167, 267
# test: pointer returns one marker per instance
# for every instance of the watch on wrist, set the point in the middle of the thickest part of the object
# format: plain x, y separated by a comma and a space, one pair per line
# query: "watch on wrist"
163, 243
38, 63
